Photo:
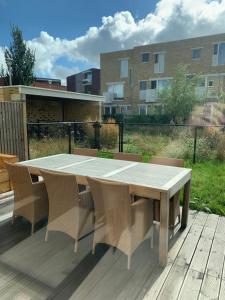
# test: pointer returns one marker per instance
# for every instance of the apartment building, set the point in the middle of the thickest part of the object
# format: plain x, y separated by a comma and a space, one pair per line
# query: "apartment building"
131, 80
87, 82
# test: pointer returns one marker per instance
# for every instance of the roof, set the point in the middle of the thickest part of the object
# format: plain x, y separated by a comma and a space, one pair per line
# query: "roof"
37, 91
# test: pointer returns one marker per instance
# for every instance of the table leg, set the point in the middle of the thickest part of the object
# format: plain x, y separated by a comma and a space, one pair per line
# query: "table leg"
187, 189
164, 229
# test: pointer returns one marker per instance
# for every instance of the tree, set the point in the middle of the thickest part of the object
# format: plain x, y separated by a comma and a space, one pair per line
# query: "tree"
180, 98
19, 60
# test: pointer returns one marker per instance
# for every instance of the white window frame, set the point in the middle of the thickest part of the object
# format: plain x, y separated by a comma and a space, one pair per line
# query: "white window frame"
157, 65
143, 93
124, 74
113, 84
215, 57
146, 109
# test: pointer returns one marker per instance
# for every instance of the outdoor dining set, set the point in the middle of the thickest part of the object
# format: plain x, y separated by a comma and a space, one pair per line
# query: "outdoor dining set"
117, 200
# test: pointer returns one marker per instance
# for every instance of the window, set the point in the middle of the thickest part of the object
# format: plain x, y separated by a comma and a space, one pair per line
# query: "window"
210, 83
163, 84
124, 108
143, 89
145, 57
153, 85
143, 85
88, 76
218, 58
201, 82
143, 110
116, 90
123, 67
196, 53
159, 65
107, 110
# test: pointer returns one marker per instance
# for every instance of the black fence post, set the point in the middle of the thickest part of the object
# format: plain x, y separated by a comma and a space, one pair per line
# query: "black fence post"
38, 130
97, 127
121, 127
69, 138
195, 144
28, 141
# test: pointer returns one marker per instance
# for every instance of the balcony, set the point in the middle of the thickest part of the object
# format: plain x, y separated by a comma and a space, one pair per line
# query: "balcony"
150, 95
87, 81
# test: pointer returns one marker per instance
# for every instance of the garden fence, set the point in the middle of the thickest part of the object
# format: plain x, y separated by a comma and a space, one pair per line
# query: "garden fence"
196, 143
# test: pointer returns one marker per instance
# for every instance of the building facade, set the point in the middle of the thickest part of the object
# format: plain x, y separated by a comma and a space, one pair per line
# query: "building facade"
87, 82
131, 80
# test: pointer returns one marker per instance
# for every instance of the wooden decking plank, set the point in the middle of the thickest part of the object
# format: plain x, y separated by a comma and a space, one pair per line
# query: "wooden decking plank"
191, 286
116, 279
142, 270
216, 257
107, 261
202, 252
193, 281
210, 288
155, 282
222, 290
174, 281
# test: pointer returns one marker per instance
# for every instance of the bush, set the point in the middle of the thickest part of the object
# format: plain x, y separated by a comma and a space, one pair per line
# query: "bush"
109, 134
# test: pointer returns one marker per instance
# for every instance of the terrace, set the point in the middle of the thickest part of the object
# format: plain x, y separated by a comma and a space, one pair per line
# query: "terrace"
33, 269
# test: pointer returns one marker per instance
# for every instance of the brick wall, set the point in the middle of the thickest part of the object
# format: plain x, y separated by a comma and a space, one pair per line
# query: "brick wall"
177, 52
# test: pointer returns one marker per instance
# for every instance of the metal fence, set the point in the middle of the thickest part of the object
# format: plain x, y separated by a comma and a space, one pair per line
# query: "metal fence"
190, 142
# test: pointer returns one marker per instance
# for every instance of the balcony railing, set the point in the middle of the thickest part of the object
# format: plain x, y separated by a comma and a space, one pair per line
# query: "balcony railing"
150, 95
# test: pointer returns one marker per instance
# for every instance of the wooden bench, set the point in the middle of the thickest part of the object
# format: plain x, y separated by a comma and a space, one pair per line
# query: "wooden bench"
5, 184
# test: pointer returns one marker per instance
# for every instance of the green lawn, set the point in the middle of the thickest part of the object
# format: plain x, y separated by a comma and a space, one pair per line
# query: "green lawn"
208, 187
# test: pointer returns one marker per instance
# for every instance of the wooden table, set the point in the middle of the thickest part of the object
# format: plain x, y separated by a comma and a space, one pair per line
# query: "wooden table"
146, 180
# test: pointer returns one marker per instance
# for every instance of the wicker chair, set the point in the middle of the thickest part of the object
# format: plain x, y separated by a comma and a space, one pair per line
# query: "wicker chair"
86, 151
174, 201
70, 212
30, 199
128, 156
119, 222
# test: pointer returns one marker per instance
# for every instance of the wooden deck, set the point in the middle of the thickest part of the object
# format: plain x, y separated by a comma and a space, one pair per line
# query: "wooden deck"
33, 269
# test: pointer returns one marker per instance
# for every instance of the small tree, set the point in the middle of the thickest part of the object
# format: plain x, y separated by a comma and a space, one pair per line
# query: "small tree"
180, 98
19, 60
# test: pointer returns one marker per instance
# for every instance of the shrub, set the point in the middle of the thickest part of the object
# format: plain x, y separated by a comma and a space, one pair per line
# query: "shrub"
109, 134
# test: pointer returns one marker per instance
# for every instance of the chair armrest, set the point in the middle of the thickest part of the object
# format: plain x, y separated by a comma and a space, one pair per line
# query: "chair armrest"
39, 190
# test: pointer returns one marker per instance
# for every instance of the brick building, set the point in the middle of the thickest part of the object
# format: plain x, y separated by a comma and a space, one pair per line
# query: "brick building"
132, 79
47, 83
87, 82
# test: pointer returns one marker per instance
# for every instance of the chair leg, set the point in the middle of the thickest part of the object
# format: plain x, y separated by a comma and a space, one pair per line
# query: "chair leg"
128, 261
46, 236
152, 237
32, 228
13, 219
75, 246
93, 248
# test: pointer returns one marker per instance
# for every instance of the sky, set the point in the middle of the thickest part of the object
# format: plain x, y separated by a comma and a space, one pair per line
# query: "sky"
68, 36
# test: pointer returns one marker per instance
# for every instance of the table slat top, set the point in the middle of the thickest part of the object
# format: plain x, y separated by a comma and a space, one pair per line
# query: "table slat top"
158, 177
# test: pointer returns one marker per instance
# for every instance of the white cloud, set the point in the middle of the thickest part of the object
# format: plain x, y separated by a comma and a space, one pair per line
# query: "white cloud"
171, 20
2, 58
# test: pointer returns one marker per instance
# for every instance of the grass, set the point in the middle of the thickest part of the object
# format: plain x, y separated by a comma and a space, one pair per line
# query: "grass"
208, 187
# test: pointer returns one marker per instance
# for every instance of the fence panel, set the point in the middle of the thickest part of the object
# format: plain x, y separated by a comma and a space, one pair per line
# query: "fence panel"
12, 129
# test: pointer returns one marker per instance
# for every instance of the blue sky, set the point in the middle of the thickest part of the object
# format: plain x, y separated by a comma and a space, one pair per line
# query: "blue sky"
65, 19
68, 36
